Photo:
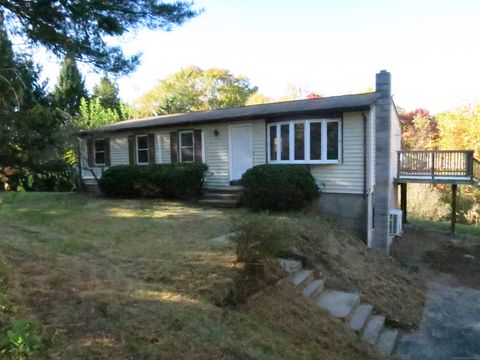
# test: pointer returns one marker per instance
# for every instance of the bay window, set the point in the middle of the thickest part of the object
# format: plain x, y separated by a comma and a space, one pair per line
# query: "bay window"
316, 141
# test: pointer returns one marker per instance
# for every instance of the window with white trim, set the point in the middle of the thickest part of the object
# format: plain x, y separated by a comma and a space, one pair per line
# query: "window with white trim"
99, 151
313, 141
186, 146
142, 150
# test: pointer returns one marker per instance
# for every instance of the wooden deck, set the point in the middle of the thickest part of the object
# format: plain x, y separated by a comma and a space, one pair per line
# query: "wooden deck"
454, 167
438, 166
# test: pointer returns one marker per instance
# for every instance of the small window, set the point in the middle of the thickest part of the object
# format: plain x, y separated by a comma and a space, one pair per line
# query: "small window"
142, 149
186, 146
99, 151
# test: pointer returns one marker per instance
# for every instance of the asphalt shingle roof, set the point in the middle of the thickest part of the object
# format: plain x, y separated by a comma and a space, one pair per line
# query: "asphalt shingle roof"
334, 103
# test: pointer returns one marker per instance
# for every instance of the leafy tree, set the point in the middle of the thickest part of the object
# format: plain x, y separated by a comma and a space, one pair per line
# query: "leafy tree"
107, 92
258, 98
70, 88
419, 129
82, 27
460, 129
93, 114
194, 89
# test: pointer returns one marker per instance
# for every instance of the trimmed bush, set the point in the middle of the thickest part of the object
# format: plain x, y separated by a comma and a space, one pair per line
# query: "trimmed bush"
174, 181
278, 187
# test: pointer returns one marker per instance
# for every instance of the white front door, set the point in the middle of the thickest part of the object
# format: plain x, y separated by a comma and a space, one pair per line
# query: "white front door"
241, 158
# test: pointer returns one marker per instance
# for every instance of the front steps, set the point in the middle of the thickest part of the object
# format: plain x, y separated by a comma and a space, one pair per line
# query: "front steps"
343, 305
227, 197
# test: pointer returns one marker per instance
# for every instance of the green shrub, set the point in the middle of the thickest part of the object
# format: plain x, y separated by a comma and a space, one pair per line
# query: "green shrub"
20, 340
162, 180
259, 240
278, 187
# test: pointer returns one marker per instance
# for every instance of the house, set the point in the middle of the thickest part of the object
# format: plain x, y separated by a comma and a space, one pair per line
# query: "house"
349, 142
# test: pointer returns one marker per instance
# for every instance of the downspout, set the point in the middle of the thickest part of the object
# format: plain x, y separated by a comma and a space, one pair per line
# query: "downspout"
364, 155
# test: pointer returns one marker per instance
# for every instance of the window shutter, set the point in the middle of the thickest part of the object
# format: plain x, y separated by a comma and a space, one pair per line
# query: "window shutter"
131, 149
174, 147
90, 152
197, 145
107, 151
151, 149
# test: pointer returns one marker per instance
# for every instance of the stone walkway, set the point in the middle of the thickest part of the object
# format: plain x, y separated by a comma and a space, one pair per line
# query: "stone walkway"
450, 328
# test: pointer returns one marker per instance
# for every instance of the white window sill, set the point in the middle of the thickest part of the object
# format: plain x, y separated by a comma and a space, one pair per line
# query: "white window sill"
306, 162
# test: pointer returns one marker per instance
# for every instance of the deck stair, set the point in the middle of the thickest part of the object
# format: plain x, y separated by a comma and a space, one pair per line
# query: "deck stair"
228, 197
359, 317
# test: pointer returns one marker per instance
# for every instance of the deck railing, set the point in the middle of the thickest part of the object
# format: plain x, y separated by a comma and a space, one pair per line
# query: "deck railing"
438, 164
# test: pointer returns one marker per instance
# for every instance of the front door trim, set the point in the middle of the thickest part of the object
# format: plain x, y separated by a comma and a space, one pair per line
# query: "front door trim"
230, 143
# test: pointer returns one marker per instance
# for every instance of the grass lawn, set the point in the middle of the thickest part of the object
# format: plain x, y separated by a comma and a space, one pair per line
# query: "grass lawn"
125, 279
461, 229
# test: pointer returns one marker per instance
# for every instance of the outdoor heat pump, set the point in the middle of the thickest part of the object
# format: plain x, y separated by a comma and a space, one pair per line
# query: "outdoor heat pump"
395, 222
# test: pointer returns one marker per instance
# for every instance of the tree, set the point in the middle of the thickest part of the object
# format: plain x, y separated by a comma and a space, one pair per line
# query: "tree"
82, 27
194, 89
419, 129
258, 98
93, 114
70, 88
460, 129
107, 93
31, 131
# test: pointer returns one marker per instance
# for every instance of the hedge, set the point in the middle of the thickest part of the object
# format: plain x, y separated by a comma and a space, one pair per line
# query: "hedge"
278, 187
174, 181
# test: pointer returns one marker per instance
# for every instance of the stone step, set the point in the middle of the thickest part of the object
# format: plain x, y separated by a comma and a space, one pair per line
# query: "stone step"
313, 289
360, 316
338, 303
219, 203
372, 330
224, 190
290, 265
225, 238
301, 278
386, 341
221, 196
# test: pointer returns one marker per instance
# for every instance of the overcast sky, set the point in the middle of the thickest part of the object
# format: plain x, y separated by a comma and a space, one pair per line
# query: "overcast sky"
431, 47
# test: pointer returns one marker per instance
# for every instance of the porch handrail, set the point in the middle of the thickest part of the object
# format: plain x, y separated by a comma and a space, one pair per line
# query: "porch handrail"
437, 163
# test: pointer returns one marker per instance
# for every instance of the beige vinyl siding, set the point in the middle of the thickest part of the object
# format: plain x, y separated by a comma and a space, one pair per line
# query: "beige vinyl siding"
215, 149
259, 143
346, 177
118, 150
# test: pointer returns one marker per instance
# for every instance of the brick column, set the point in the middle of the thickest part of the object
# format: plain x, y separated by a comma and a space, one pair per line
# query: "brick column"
383, 182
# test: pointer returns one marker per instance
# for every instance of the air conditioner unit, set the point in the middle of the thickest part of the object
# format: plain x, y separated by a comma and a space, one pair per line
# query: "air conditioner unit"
395, 222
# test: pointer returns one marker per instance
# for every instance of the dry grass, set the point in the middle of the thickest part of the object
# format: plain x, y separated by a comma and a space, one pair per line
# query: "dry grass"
349, 265
118, 279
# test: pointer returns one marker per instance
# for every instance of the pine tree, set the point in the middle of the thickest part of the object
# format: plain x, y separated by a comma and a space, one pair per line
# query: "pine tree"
70, 88
84, 27
107, 93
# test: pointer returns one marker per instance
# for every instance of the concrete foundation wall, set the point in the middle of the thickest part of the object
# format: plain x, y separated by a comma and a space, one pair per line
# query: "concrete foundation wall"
348, 210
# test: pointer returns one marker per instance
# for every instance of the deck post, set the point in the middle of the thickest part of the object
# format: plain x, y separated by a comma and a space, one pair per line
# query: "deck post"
454, 208
403, 201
